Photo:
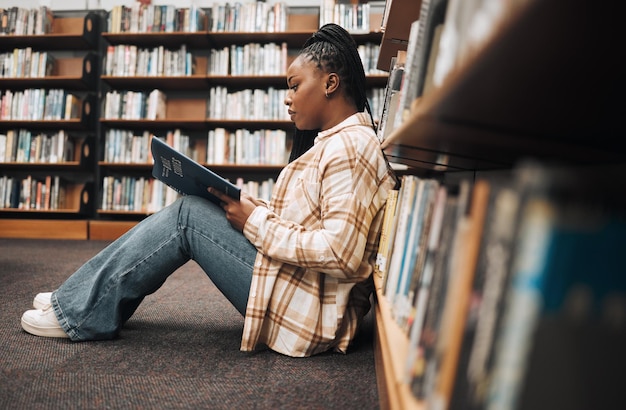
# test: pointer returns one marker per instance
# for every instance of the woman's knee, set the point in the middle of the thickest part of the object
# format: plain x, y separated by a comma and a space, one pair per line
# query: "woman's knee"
200, 213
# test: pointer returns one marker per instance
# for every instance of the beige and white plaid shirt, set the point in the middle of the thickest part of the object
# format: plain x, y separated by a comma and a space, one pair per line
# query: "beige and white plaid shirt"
317, 239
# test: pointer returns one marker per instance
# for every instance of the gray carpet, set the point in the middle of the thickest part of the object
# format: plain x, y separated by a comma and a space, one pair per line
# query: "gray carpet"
179, 351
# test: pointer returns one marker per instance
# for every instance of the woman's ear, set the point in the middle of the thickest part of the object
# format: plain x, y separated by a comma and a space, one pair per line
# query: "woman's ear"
332, 83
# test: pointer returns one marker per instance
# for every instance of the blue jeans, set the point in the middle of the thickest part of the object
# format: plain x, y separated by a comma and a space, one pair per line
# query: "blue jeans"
95, 301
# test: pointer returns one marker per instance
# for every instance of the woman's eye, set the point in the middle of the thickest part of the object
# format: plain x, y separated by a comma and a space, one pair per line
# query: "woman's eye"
293, 87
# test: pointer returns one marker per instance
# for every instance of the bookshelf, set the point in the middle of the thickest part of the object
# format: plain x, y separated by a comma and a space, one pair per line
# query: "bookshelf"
188, 107
79, 42
532, 89
48, 143
496, 108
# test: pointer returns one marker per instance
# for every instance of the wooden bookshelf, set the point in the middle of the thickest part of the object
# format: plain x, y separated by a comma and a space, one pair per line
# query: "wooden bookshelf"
79, 41
73, 46
68, 33
395, 31
534, 89
498, 107
187, 95
75, 73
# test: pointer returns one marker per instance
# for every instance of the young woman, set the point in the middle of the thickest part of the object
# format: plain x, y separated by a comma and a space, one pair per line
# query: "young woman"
299, 267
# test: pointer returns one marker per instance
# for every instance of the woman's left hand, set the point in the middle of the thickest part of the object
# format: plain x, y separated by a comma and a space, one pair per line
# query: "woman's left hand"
237, 211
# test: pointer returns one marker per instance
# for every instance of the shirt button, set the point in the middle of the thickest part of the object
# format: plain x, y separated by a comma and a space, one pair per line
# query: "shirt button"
258, 264
322, 258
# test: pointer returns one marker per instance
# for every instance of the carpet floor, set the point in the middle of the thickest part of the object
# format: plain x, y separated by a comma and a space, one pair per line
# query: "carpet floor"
179, 351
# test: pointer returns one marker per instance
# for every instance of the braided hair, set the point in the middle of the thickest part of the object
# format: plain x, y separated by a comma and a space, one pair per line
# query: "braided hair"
333, 49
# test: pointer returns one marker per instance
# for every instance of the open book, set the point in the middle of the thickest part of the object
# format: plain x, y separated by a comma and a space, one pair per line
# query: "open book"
185, 175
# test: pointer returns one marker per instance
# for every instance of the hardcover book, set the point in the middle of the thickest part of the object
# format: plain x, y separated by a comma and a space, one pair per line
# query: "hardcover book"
185, 175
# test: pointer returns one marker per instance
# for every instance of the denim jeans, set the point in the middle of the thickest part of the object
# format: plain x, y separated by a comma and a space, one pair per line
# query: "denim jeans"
95, 301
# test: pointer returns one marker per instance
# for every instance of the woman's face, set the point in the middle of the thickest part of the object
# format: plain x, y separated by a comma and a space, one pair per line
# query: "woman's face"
306, 97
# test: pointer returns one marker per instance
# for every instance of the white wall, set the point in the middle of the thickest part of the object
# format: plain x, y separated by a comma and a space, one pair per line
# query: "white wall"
108, 4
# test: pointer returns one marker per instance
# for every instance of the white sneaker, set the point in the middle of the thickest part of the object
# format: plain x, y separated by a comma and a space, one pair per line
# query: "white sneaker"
42, 322
42, 300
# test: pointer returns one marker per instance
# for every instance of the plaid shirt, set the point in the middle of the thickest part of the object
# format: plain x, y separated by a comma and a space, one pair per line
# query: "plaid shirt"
317, 243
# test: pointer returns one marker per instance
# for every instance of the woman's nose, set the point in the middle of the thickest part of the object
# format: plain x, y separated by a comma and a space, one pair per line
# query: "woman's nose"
287, 100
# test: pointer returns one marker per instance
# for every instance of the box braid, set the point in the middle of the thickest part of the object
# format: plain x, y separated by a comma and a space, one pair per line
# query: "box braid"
333, 49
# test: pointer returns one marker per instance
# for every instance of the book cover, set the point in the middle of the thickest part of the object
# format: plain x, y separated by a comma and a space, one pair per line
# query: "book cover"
385, 232
185, 175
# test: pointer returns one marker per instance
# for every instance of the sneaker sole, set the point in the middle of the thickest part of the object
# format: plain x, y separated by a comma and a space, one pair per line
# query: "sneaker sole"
44, 331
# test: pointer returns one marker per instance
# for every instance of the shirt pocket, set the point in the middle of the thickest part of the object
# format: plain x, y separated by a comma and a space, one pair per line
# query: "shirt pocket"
305, 209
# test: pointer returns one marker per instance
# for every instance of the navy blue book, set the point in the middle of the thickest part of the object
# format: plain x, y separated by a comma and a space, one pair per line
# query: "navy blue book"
186, 176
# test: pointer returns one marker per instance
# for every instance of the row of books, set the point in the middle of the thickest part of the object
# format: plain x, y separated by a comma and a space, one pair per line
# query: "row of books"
31, 193
249, 59
136, 194
22, 21
248, 104
369, 57
253, 59
127, 147
245, 147
257, 189
147, 18
23, 146
26, 63
439, 41
474, 270
148, 195
251, 16
128, 60
135, 105
376, 97
391, 95
239, 147
354, 17
36, 104
418, 63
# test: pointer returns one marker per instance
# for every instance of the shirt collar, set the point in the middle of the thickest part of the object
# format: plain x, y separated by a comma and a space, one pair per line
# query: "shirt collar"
360, 118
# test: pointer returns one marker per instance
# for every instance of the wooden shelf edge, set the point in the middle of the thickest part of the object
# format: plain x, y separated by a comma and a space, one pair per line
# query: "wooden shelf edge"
64, 229
390, 351
108, 230
43, 229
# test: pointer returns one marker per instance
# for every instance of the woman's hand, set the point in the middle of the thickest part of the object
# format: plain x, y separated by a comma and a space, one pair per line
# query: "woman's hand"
237, 211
